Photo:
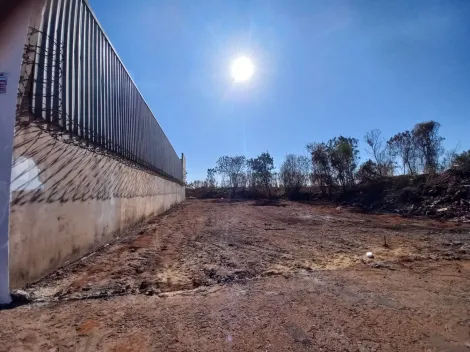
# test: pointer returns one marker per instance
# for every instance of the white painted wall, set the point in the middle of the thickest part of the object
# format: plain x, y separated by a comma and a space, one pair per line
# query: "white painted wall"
12, 39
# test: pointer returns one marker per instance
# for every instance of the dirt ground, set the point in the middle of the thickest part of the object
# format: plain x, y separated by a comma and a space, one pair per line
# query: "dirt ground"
213, 275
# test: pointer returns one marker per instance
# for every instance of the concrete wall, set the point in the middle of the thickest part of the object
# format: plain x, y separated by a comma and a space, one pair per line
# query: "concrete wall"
68, 200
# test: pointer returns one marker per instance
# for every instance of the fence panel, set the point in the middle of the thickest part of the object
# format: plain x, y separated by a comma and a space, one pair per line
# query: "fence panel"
81, 86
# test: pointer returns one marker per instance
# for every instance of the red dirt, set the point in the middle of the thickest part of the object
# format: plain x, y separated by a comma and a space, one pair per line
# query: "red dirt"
214, 275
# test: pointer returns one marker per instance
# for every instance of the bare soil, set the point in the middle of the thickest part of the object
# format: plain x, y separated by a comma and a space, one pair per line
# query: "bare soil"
213, 275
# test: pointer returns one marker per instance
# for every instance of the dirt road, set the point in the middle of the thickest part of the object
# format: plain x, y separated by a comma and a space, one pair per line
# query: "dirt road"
233, 276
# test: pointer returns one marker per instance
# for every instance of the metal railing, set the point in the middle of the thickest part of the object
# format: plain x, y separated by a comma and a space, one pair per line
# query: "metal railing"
79, 84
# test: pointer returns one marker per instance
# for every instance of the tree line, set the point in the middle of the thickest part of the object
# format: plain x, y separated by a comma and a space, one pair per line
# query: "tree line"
334, 165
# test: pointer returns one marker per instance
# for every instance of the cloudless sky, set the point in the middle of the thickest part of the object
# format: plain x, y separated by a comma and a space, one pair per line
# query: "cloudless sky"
323, 69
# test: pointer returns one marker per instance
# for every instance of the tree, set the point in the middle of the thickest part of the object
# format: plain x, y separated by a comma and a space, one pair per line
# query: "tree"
344, 156
294, 173
232, 167
210, 179
428, 144
402, 145
262, 171
379, 150
322, 173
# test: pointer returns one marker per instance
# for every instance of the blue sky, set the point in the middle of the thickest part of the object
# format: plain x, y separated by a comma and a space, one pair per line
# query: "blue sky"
323, 68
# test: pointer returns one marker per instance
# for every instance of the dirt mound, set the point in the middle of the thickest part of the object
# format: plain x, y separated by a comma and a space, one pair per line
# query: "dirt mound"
446, 195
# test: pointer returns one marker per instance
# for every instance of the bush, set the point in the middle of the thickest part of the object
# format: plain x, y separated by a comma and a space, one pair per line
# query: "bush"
409, 195
462, 162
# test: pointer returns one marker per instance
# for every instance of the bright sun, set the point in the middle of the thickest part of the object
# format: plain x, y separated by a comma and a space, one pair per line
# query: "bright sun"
242, 69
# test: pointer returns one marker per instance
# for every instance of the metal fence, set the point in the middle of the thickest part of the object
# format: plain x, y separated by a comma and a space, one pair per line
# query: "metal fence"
79, 84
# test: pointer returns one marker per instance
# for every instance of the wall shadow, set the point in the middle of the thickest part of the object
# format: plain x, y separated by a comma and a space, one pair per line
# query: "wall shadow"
56, 168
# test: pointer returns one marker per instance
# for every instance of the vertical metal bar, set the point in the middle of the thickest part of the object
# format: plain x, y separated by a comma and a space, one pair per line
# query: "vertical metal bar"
99, 86
91, 81
96, 84
85, 66
147, 137
130, 104
132, 131
121, 104
95, 116
102, 91
128, 98
143, 137
64, 64
135, 115
70, 66
142, 119
59, 63
124, 102
82, 86
121, 98
111, 98
152, 139
74, 69
118, 97
126, 118
36, 101
108, 94
138, 128
41, 75
49, 60
114, 85
130, 117
117, 108
129, 126
89, 74
160, 147
134, 121
105, 91
77, 118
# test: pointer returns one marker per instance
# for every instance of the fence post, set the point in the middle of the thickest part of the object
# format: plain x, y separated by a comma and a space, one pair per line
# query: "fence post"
183, 168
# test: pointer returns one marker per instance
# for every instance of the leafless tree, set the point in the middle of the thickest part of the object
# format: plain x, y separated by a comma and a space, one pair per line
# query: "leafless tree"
402, 145
210, 179
379, 150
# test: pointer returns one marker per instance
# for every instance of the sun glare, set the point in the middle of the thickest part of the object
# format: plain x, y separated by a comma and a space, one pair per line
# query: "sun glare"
242, 69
